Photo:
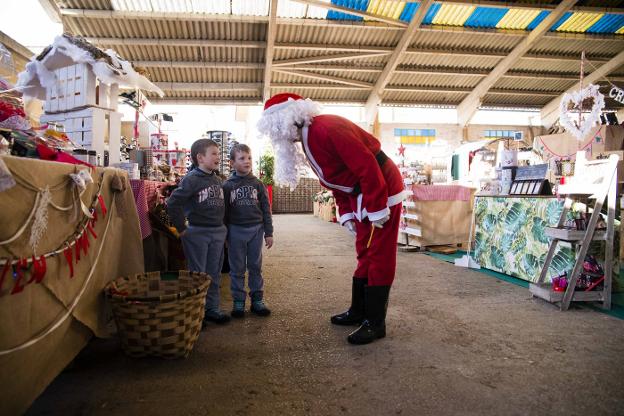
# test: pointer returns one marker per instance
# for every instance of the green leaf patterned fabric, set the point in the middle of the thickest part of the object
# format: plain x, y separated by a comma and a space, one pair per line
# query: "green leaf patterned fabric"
510, 236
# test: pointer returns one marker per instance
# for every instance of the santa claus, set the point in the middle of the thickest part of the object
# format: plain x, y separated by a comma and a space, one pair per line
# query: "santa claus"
368, 189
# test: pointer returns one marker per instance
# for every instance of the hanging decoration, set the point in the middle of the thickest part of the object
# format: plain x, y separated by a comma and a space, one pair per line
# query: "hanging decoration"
40, 222
575, 103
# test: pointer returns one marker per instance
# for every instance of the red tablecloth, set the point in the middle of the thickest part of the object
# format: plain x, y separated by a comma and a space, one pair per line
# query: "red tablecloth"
441, 193
145, 197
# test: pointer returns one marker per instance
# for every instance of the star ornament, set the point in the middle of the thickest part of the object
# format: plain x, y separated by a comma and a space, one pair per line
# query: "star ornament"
402, 150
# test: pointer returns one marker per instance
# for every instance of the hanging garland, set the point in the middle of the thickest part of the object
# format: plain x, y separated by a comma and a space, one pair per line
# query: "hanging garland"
572, 104
72, 249
71, 308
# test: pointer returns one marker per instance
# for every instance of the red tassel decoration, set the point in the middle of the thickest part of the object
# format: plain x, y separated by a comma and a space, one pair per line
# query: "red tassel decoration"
102, 204
5, 270
77, 244
68, 257
39, 269
92, 231
84, 243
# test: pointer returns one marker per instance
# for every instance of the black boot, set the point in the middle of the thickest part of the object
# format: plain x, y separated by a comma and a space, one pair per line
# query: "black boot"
374, 326
355, 314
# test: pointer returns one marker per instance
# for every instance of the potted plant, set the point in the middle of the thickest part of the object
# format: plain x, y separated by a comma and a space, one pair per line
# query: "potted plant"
266, 164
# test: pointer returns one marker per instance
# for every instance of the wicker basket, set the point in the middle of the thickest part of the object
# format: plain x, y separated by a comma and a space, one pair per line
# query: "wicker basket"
159, 314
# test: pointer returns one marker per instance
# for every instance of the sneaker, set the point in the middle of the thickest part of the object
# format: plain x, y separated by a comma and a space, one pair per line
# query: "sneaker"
217, 317
238, 309
259, 308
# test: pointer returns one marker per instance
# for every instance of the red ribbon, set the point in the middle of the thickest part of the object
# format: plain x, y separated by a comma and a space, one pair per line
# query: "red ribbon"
91, 230
102, 204
20, 266
77, 244
5, 269
39, 269
68, 257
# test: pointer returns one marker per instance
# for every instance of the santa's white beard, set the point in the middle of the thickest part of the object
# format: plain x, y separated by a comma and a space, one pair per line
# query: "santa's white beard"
290, 163
281, 127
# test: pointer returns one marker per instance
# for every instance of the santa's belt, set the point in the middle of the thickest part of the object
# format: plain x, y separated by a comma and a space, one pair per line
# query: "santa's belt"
381, 158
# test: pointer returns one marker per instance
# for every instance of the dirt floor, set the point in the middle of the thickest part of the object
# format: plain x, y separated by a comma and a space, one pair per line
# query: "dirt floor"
459, 343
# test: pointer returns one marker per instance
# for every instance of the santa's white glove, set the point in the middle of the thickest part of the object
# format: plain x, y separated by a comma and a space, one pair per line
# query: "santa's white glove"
380, 222
350, 225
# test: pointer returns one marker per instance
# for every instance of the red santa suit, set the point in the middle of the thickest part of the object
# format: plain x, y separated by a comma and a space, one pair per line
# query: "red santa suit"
366, 188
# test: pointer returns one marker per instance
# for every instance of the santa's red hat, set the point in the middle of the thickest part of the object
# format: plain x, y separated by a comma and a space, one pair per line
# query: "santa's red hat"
280, 101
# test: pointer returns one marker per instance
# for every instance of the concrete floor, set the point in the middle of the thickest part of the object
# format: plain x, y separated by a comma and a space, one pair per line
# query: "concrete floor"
459, 343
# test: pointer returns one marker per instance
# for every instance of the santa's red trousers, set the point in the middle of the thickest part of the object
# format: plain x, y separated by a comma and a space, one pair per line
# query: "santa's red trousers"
377, 263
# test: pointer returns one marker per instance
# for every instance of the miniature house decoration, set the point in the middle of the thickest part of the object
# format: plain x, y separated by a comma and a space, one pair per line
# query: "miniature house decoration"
80, 85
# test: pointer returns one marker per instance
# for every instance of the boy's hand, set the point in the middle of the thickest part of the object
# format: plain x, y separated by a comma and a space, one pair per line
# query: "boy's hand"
268, 241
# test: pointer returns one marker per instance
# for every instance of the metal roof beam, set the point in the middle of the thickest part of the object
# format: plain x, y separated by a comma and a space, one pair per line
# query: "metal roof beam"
209, 86
52, 10
320, 87
16, 47
353, 12
177, 42
397, 54
200, 65
440, 71
205, 101
550, 112
268, 54
452, 90
353, 52
142, 15
329, 78
471, 103
325, 58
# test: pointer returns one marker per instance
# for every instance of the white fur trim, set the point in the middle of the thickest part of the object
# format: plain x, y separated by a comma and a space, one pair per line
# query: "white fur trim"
346, 217
316, 167
397, 198
278, 107
377, 215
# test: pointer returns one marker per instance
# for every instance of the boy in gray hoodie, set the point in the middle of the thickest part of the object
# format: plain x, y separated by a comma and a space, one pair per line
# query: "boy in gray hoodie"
199, 199
248, 218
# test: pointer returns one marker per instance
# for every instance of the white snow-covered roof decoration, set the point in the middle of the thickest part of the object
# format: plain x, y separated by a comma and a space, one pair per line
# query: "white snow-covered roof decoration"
67, 50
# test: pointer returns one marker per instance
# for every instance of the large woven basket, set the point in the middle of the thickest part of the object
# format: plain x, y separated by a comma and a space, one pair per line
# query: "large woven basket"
159, 313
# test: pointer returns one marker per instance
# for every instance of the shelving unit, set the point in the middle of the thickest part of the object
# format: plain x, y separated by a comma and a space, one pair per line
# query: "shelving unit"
596, 180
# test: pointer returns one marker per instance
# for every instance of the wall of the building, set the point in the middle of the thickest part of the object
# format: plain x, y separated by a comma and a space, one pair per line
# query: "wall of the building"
449, 136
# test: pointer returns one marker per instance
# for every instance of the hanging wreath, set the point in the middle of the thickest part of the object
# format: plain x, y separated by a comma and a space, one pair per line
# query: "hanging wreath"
587, 99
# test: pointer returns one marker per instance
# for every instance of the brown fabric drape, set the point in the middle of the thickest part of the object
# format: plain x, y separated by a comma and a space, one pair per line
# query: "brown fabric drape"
24, 374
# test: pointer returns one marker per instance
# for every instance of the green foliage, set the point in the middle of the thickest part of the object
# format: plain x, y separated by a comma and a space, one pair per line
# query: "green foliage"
510, 236
266, 165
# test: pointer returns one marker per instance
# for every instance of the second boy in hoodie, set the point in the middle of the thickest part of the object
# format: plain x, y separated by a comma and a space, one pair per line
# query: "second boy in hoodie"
248, 218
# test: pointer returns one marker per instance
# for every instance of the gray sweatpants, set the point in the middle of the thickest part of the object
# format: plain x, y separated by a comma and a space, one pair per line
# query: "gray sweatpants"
203, 248
245, 253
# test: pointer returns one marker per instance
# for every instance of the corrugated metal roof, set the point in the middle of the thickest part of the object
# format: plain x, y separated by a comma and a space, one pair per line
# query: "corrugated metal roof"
517, 19
457, 46
391, 9
205, 75
424, 97
349, 35
609, 23
485, 17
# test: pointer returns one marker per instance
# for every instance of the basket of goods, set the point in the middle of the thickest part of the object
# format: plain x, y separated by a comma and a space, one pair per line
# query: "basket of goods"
159, 313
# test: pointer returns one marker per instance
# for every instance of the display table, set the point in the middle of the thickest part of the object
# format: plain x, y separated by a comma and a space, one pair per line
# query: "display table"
46, 324
510, 235
436, 215
145, 198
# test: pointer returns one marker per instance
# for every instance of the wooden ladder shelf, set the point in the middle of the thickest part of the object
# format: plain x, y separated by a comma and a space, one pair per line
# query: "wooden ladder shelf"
597, 180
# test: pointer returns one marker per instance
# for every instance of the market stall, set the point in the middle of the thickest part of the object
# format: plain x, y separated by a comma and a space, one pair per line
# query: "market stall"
62, 239
510, 235
436, 215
